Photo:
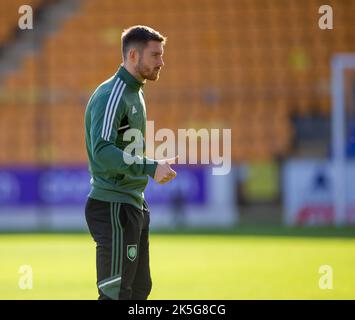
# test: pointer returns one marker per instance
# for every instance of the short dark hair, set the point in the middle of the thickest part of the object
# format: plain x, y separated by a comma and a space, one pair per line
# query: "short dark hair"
139, 36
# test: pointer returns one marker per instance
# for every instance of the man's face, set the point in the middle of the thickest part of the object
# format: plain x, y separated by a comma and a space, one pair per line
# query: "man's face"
150, 61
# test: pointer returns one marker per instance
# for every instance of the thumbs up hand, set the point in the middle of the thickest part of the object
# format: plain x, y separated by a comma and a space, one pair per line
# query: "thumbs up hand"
164, 173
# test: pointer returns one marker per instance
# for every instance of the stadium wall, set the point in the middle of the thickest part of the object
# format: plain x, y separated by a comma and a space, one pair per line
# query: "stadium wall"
37, 198
309, 192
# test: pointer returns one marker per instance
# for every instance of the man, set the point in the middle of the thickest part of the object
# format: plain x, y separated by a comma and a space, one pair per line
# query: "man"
116, 212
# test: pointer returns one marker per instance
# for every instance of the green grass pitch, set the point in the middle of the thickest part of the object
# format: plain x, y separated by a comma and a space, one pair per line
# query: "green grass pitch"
235, 265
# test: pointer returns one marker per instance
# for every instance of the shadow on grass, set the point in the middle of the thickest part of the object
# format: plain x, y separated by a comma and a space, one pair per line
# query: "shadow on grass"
274, 231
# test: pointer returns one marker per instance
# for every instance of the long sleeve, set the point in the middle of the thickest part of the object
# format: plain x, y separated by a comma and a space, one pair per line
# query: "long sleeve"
106, 115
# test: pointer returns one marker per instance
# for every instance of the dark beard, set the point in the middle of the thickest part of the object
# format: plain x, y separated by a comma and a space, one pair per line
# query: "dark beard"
153, 75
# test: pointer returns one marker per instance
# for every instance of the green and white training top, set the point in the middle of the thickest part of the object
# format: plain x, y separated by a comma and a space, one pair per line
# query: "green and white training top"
117, 105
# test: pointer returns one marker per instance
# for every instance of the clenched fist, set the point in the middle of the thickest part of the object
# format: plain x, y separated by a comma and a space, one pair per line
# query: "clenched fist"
164, 172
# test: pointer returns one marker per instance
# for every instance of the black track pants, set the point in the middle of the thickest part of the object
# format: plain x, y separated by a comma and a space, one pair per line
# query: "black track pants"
121, 233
